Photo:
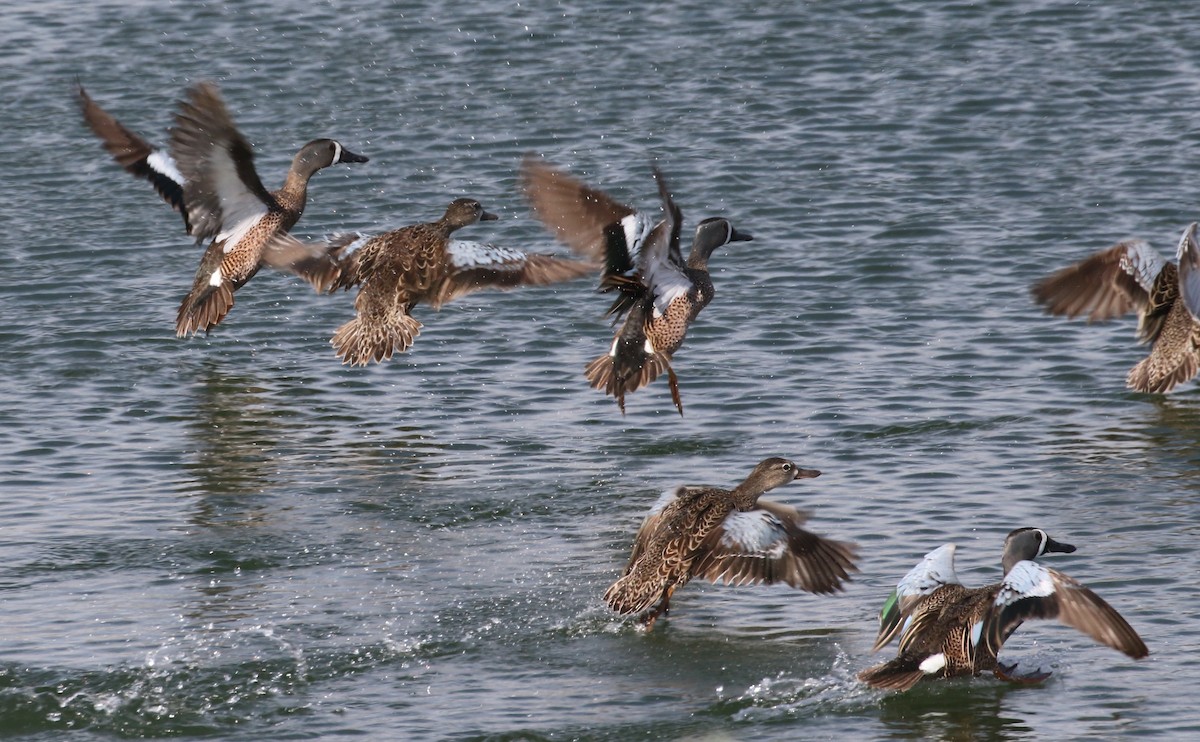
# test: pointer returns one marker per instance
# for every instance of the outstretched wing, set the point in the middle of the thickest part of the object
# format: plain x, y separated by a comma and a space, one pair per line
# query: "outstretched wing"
1031, 591
1130, 276
660, 266
315, 262
577, 214
479, 266
933, 572
222, 190
768, 545
136, 155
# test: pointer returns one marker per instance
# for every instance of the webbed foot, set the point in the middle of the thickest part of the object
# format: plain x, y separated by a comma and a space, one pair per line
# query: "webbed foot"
1008, 673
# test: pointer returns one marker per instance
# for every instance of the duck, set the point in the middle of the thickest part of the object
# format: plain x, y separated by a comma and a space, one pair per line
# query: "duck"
207, 174
658, 294
729, 537
419, 263
948, 630
1133, 276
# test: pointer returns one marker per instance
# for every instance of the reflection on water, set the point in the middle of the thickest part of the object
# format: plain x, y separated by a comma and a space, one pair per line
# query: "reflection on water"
235, 434
955, 711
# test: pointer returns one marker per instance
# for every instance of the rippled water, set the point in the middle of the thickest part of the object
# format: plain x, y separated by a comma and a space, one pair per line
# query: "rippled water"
237, 537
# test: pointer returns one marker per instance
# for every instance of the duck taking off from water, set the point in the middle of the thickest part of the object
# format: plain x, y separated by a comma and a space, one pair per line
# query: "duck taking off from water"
948, 630
208, 176
728, 536
658, 293
423, 263
1132, 276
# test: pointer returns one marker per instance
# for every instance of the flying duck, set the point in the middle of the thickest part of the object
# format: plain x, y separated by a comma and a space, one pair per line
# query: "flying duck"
658, 293
423, 263
208, 176
1134, 276
727, 536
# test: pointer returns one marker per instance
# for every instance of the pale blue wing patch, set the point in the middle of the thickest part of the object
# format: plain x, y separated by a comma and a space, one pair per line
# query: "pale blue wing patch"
240, 207
1142, 262
668, 285
934, 571
1189, 270
238, 220
976, 633
348, 243
637, 227
1026, 579
466, 255
754, 532
663, 276
665, 499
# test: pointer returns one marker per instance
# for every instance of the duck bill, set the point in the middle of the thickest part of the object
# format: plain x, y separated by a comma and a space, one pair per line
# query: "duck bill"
487, 216
737, 236
807, 473
1058, 547
348, 156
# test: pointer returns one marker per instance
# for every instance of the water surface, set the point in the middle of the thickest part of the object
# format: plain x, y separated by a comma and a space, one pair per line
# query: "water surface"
236, 537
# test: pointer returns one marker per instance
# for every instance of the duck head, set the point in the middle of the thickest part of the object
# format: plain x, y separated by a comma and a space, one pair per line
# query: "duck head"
1030, 543
769, 474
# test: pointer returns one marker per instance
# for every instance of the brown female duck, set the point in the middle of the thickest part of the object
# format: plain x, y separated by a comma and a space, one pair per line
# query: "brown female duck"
422, 263
728, 536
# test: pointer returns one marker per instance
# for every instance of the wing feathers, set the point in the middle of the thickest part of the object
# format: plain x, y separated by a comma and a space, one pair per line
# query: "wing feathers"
767, 545
1032, 591
572, 211
1105, 285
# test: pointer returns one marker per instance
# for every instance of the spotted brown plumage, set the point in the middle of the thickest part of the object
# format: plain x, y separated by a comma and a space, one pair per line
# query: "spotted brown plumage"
657, 293
421, 263
209, 177
1132, 276
730, 537
948, 630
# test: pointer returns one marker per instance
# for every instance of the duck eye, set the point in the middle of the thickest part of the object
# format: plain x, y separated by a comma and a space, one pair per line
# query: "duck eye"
787, 467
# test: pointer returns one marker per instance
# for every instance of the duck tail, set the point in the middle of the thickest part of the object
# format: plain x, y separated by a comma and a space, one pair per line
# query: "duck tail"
204, 307
632, 594
358, 343
600, 375
1155, 376
899, 674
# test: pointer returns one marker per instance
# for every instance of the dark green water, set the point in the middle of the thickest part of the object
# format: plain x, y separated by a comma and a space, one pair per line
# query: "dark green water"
235, 537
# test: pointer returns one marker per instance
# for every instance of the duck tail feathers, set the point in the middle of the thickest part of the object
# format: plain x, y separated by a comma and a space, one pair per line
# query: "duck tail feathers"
203, 308
358, 343
900, 674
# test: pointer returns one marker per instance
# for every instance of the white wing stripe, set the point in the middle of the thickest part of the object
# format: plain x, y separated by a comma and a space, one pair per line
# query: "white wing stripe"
161, 162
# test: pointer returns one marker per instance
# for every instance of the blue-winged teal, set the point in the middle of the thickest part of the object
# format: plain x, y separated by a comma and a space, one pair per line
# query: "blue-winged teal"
1132, 276
209, 177
421, 263
658, 293
728, 536
948, 630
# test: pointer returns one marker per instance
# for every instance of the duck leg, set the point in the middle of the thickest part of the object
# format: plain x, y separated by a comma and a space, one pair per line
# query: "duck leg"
663, 608
1008, 673
674, 382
